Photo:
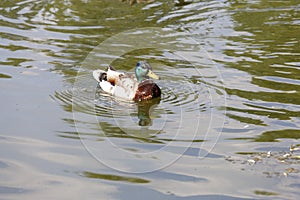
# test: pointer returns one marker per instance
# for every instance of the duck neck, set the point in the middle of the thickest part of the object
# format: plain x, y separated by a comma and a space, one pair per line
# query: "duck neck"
140, 79
139, 75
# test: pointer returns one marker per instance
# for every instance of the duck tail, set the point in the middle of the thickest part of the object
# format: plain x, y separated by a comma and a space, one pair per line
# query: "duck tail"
105, 84
111, 68
99, 75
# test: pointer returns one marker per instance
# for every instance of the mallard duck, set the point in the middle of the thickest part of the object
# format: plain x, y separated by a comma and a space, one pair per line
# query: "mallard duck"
127, 86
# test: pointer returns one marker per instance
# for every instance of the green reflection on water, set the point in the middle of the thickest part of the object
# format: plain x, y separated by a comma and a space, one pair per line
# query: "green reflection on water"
247, 120
112, 177
265, 193
267, 43
293, 98
5, 76
272, 136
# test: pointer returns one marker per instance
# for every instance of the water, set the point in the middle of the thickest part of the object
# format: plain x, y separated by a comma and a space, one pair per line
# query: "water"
223, 128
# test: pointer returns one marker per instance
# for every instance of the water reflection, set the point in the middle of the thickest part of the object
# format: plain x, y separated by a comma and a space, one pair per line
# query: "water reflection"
144, 111
112, 177
255, 45
273, 136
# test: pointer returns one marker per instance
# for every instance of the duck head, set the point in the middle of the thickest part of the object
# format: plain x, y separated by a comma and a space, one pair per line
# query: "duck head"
143, 70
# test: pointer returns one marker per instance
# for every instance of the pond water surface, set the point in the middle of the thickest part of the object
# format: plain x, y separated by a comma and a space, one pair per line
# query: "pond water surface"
227, 125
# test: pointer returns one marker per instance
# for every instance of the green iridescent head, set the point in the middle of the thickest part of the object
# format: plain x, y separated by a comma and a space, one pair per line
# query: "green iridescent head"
143, 71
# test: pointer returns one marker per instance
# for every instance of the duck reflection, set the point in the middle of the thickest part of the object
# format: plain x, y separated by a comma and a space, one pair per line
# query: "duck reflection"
144, 111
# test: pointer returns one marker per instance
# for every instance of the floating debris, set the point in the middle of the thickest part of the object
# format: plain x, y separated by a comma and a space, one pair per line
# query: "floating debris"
296, 157
271, 164
251, 161
294, 148
287, 155
292, 170
289, 171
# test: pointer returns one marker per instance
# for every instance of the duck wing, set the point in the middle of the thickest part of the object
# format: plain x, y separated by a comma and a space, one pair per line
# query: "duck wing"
125, 87
116, 83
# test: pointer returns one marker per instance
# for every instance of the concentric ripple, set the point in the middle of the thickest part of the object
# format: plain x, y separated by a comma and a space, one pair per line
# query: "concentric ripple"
162, 128
102, 119
178, 98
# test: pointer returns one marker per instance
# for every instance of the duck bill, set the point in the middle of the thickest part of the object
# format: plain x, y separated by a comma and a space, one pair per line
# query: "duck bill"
152, 75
